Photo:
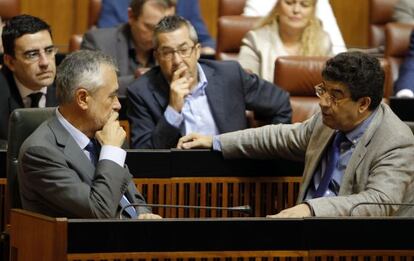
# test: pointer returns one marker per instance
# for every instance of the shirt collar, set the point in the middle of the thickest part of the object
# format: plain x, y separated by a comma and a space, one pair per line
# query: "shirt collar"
355, 135
81, 139
202, 82
24, 91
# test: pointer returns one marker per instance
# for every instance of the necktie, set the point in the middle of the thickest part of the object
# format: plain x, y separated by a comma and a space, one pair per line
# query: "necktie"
130, 210
93, 152
34, 99
92, 148
331, 165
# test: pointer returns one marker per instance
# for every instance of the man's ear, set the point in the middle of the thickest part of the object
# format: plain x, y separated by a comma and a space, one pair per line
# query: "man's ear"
131, 15
82, 98
9, 61
364, 104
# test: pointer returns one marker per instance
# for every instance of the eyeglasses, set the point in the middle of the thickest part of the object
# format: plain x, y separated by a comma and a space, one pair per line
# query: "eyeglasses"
184, 52
32, 56
331, 99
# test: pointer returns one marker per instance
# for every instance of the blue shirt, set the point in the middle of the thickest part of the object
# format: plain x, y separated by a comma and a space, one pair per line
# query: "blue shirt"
196, 114
347, 147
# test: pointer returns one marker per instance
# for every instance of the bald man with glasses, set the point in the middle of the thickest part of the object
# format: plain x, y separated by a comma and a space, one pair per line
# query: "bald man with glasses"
28, 73
186, 94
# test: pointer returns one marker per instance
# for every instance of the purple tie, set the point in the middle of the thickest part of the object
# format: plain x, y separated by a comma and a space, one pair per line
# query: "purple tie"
333, 159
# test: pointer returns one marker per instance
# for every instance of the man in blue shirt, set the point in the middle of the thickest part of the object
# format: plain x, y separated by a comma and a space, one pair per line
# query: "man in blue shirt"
186, 94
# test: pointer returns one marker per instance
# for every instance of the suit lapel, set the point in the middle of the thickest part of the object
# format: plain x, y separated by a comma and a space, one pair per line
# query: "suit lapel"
123, 48
51, 99
160, 89
316, 149
360, 151
15, 100
215, 97
74, 154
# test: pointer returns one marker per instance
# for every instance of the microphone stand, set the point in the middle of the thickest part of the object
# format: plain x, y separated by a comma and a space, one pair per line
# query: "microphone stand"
379, 204
246, 209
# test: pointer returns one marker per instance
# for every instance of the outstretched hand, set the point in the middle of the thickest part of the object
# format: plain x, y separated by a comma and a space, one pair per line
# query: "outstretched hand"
195, 140
298, 211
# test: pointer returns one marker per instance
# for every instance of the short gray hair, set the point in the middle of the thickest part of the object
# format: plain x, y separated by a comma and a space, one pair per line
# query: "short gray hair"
80, 69
172, 23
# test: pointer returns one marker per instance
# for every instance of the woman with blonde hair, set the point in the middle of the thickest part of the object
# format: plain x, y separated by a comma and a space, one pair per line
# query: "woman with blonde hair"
291, 28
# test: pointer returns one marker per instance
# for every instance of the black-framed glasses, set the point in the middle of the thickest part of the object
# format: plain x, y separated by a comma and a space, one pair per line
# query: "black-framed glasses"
32, 56
321, 92
184, 52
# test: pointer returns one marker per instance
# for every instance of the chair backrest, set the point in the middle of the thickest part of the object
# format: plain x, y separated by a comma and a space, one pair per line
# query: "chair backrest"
22, 123
230, 32
231, 7
380, 14
94, 11
397, 36
75, 42
302, 94
9, 8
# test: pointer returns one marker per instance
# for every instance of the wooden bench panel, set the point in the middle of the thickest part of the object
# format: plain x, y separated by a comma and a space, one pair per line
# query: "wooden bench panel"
266, 195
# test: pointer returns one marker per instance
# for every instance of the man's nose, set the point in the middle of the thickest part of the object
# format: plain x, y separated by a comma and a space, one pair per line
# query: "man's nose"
43, 59
117, 105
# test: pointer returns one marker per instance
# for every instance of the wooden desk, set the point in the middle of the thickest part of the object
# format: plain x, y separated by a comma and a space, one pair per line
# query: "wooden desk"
203, 177
37, 237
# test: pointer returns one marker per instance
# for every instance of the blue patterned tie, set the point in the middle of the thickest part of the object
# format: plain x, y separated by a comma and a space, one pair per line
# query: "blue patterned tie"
93, 152
331, 165
92, 148
130, 210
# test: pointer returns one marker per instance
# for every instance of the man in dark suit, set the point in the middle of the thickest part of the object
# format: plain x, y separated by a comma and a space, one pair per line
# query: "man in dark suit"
26, 78
73, 164
131, 43
404, 86
184, 94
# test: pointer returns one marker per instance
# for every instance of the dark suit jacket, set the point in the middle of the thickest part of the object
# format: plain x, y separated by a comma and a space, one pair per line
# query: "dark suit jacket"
116, 43
57, 179
406, 75
230, 92
10, 99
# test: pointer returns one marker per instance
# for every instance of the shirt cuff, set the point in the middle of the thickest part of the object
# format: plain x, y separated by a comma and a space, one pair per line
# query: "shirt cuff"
216, 143
405, 93
173, 117
310, 208
114, 154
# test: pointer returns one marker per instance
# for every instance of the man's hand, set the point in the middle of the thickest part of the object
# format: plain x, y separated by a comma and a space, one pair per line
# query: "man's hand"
298, 211
112, 133
180, 87
195, 140
149, 216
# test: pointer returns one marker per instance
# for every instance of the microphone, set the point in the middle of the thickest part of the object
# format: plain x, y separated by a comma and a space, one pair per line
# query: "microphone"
379, 204
246, 209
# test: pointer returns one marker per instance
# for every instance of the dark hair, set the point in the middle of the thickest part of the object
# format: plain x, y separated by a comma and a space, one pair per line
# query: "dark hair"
18, 26
360, 72
137, 5
172, 23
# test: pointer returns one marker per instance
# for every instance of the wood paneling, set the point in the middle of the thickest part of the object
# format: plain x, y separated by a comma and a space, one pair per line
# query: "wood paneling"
352, 17
209, 12
66, 17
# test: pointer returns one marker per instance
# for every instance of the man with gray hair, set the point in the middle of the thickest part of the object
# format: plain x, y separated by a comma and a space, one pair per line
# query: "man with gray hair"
186, 94
73, 164
130, 44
